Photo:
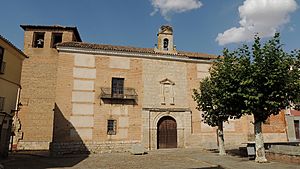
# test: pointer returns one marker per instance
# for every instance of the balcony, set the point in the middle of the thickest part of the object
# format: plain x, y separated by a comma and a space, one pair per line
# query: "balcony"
128, 94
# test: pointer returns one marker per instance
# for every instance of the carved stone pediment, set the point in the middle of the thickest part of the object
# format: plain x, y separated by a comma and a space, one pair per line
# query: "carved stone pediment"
167, 82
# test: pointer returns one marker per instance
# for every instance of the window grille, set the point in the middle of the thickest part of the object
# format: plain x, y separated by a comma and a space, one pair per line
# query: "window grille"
111, 127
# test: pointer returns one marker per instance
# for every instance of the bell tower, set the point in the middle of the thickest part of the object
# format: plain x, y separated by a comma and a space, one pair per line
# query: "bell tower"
39, 81
165, 40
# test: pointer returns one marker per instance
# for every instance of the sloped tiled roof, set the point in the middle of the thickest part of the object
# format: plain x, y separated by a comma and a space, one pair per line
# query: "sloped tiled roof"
13, 46
57, 27
295, 112
134, 49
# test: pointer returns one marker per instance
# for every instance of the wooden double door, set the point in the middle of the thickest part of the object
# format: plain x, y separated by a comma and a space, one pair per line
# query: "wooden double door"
166, 133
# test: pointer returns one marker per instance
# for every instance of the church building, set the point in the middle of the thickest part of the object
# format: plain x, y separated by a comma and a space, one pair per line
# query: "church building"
84, 97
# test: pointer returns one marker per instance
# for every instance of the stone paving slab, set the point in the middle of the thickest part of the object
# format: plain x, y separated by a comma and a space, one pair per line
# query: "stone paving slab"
156, 159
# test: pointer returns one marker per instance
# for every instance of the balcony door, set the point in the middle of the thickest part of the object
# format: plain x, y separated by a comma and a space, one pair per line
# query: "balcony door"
117, 87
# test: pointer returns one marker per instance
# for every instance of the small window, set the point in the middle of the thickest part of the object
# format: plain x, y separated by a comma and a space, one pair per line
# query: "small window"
166, 44
2, 104
111, 127
2, 63
38, 39
297, 129
2, 67
56, 38
117, 87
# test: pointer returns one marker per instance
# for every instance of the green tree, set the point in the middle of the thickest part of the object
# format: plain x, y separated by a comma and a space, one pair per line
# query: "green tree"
270, 84
218, 94
260, 81
212, 115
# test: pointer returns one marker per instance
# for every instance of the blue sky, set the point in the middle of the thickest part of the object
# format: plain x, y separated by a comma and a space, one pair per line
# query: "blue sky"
197, 24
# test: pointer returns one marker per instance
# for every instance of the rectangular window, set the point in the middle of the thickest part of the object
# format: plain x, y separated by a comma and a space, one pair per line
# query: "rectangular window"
117, 87
38, 39
2, 69
2, 104
297, 129
56, 38
2, 63
111, 127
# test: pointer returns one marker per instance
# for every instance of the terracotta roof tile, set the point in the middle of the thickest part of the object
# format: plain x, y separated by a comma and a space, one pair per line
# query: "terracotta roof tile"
134, 49
295, 112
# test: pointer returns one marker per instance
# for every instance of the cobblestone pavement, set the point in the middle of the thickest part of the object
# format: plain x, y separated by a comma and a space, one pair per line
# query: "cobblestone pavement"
160, 159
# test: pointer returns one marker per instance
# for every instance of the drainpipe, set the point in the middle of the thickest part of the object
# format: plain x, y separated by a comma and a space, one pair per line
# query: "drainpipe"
149, 141
18, 99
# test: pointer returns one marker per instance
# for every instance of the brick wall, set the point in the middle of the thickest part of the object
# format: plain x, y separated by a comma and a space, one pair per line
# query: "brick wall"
39, 82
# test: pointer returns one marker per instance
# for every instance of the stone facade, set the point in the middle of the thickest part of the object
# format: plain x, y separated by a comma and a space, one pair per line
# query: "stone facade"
293, 124
71, 100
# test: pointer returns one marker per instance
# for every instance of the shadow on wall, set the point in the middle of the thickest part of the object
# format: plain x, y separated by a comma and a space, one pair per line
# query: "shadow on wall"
120, 101
63, 146
66, 140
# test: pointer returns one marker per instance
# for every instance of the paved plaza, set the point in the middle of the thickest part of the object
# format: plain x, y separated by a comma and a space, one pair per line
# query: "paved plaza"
156, 159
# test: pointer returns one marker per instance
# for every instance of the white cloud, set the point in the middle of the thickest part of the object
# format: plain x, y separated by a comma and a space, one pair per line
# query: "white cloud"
291, 29
258, 16
168, 7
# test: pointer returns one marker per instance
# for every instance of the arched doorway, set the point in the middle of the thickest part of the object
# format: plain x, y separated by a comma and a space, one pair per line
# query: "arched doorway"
166, 133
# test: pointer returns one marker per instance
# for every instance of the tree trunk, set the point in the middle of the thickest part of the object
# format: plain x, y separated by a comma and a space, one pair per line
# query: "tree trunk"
259, 143
221, 139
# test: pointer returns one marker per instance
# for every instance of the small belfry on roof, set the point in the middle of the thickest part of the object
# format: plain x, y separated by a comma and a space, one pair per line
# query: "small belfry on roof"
164, 28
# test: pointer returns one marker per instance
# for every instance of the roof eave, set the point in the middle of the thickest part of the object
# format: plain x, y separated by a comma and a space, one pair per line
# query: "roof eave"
131, 54
13, 46
74, 29
192, 55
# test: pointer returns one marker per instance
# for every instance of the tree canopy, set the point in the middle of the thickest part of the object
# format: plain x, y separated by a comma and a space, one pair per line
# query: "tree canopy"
218, 93
270, 80
259, 81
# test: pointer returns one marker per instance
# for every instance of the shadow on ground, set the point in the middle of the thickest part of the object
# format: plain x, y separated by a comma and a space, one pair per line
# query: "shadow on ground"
217, 167
23, 160
241, 152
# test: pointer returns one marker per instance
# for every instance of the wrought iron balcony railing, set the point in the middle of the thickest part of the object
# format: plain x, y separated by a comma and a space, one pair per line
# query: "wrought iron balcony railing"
127, 94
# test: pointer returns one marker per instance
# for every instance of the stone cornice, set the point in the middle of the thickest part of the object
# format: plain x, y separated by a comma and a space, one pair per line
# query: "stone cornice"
131, 54
167, 109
